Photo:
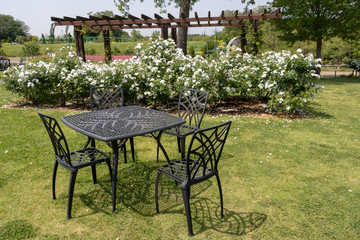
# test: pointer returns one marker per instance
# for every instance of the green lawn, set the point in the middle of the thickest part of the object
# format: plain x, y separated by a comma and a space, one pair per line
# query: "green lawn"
98, 48
281, 179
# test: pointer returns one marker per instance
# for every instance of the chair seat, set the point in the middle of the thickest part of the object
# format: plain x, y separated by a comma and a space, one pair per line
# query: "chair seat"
182, 130
177, 170
87, 156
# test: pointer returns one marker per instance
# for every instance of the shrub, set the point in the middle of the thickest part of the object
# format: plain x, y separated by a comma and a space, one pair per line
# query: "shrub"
2, 53
30, 49
286, 81
191, 51
90, 51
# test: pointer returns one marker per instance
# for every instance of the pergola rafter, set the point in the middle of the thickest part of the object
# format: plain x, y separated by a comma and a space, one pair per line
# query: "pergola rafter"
107, 23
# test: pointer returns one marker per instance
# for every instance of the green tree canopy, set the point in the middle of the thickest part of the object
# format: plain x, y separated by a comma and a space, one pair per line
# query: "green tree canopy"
184, 5
11, 28
124, 5
317, 20
136, 34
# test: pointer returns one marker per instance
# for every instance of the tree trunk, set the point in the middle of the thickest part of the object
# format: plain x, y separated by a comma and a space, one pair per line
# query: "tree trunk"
79, 40
107, 45
350, 50
318, 51
318, 47
182, 32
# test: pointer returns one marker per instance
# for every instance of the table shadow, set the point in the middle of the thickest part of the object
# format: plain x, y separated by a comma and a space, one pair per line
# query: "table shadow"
136, 191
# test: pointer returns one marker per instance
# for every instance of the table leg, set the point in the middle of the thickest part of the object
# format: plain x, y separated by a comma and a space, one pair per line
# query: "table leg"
115, 149
157, 138
93, 167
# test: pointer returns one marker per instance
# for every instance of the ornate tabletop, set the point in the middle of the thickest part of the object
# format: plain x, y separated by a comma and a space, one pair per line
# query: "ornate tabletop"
124, 122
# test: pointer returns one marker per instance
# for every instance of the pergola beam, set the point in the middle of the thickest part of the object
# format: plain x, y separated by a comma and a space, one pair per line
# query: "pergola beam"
93, 21
171, 26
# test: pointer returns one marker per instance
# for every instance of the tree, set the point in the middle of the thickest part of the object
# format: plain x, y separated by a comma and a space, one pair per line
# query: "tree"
155, 34
317, 20
136, 34
184, 5
52, 33
11, 28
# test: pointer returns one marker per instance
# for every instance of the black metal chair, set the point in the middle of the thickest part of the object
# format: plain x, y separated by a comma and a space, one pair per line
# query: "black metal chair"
72, 161
200, 164
4, 63
191, 107
110, 97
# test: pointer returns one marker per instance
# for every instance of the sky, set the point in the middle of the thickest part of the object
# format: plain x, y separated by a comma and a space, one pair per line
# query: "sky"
36, 14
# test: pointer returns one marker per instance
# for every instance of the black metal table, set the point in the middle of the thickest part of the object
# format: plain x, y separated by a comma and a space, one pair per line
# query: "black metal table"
111, 125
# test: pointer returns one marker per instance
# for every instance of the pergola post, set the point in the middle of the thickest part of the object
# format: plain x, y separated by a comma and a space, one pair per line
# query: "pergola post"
79, 41
164, 31
243, 38
107, 45
173, 35
256, 36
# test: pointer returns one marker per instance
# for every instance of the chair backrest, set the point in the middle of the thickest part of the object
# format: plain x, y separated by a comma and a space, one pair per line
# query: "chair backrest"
57, 137
204, 151
192, 105
22, 60
106, 97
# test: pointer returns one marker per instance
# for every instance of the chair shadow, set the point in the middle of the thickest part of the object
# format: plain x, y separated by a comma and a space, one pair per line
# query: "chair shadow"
136, 191
206, 216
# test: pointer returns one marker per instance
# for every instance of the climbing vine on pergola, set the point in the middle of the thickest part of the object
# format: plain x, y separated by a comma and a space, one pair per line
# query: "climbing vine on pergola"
106, 23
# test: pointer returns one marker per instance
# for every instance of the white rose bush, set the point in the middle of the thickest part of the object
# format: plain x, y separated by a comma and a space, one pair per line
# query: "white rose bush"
285, 81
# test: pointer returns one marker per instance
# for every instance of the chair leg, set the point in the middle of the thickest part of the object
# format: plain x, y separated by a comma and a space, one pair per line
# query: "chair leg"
182, 143
186, 198
93, 167
156, 191
54, 179
108, 163
124, 149
221, 197
93, 170
71, 193
132, 149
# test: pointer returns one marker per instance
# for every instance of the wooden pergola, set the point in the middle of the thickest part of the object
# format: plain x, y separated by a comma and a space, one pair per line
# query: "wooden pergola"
106, 23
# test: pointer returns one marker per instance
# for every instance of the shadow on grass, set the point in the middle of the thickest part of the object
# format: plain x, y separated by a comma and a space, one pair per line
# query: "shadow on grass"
206, 216
18, 229
340, 80
136, 191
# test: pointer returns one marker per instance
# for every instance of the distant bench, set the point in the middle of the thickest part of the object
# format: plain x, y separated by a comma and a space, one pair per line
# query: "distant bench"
4, 64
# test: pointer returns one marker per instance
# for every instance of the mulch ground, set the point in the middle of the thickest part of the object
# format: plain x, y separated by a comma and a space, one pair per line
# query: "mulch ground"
234, 106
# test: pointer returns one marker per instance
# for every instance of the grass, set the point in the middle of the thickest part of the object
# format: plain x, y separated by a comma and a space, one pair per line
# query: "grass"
281, 179
98, 48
